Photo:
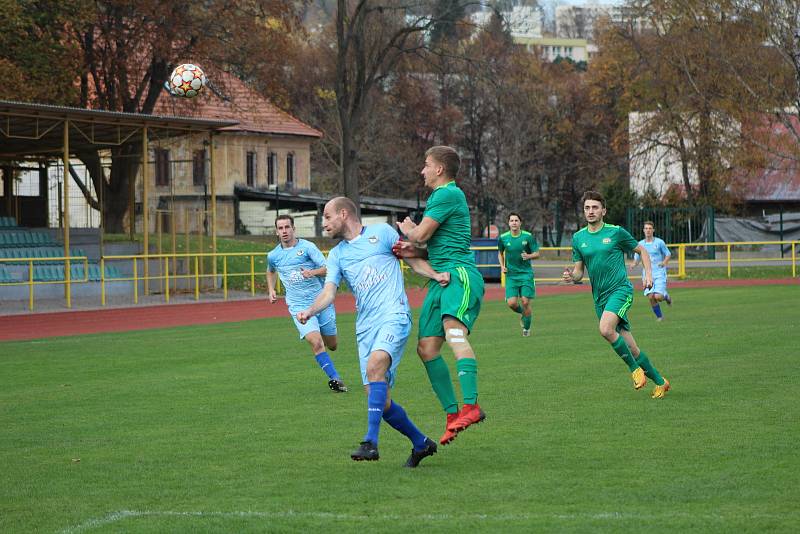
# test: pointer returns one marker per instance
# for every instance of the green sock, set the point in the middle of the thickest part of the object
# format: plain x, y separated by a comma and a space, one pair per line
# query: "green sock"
439, 376
526, 321
468, 377
649, 370
621, 348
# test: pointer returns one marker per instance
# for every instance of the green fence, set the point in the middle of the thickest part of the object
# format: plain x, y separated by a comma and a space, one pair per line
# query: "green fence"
676, 225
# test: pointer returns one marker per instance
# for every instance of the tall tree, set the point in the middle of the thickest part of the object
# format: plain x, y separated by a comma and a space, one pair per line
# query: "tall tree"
129, 47
372, 37
38, 61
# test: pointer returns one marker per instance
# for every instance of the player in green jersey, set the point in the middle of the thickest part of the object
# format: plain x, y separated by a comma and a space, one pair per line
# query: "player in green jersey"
515, 250
601, 248
448, 313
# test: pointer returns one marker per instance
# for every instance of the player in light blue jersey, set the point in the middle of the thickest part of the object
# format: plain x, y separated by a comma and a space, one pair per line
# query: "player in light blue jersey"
364, 259
301, 267
659, 258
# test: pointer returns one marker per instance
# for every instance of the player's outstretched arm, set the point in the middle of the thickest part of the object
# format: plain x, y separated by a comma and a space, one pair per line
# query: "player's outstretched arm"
418, 233
423, 268
324, 299
648, 268
575, 274
407, 249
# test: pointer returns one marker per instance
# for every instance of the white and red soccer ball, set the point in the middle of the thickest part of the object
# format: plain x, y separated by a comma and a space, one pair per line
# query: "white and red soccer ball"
186, 80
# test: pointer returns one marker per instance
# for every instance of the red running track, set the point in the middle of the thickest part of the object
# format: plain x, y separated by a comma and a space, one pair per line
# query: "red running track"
67, 323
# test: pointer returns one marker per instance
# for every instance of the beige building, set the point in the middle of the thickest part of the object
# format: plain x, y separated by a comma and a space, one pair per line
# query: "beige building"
267, 149
551, 48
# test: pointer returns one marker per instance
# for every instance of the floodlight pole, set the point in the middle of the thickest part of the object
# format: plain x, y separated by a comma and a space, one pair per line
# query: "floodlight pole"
145, 211
67, 267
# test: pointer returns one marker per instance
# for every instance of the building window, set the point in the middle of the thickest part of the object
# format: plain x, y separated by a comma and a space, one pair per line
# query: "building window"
199, 167
251, 169
290, 170
272, 168
162, 166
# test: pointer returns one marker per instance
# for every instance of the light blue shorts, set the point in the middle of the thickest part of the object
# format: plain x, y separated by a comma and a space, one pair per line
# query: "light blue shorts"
659, 285
324, 322
390, 335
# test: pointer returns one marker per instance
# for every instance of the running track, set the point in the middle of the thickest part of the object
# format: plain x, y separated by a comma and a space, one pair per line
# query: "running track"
66, 323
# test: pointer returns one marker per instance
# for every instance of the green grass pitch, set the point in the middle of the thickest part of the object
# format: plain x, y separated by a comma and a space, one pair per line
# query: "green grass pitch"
231, 428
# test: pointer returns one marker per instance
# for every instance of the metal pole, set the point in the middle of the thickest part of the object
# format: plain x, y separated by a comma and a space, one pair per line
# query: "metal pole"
781, 229
729, 260
213, 211
67, 267
145, 210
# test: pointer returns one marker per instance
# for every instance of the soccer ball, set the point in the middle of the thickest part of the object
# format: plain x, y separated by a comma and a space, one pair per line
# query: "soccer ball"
186, 80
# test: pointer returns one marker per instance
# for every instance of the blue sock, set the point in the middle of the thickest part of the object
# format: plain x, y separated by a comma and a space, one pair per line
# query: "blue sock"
375, 403
657, 310
326, 364
397, 417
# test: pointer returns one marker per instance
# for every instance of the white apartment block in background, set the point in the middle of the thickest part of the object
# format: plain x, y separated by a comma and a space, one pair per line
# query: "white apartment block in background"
578, 21
522, 21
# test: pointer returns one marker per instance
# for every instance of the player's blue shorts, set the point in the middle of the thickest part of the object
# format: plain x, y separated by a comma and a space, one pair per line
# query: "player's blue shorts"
659, 285
389, 333
324, 322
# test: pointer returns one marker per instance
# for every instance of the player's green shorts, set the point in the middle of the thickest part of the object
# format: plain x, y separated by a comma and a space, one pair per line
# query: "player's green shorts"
520, 287
461, 298
618, 302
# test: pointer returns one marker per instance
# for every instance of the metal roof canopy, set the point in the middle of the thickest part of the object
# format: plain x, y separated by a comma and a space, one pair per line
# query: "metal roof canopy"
37, 129
55, 131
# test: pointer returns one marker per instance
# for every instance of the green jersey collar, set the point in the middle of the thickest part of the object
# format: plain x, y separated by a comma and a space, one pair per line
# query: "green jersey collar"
590, 231
453, 182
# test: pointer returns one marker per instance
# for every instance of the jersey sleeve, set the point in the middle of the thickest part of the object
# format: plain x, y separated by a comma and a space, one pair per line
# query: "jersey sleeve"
576, 252
533, 245
315, 255
664, 249
388, 236
501, 247
441, 204
271, 263
636, 256
625, 240
334, 275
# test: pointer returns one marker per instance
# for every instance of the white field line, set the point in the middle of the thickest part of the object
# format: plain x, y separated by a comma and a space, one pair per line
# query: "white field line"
120, 515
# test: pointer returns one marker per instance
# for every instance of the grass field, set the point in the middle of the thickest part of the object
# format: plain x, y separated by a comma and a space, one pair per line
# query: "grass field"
231, 428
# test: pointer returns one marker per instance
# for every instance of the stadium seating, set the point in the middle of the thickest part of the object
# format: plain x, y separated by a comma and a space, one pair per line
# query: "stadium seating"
55, 273
24, 238
37, 252
6, 277
8, 222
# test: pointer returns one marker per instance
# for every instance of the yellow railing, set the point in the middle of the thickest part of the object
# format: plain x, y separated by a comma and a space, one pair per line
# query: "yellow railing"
679, 256
172, 268
31, 283
193, 272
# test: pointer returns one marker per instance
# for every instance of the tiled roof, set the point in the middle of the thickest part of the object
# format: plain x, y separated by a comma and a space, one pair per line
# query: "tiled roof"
253, 112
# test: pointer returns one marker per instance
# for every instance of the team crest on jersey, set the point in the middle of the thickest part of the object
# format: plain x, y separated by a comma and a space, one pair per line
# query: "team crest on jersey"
606, 240
524, 242
301, 252
373, 239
